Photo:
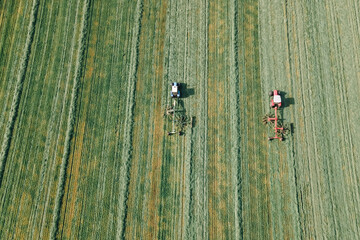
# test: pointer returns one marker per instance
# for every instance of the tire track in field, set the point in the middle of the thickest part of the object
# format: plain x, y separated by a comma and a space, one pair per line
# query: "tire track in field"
126, 150
71, 120
18, 89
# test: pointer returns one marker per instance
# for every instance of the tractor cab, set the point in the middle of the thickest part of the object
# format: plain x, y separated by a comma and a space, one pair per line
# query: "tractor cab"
276, 98
175, 90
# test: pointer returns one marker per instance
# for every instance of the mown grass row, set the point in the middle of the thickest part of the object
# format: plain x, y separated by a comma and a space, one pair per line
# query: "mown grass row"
128, 125
11, 38
235, 120
188, 158
71, 119
188, 172
18, 88
16, 37
201, 180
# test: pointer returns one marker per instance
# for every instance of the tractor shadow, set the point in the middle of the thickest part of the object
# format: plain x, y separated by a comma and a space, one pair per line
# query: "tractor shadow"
186, 91
193, 123
287, 101
292, 128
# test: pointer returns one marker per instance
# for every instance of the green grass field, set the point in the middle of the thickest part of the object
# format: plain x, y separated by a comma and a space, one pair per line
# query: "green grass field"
84, 85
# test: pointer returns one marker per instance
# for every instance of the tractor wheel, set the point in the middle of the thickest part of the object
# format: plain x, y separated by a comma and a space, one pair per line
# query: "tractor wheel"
281, 139
271, 93
269, 139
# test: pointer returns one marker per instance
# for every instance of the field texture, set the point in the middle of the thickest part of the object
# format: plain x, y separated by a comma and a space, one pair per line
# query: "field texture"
84, 85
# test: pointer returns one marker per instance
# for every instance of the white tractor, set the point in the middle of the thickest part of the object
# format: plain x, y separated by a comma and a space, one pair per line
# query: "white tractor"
175, 90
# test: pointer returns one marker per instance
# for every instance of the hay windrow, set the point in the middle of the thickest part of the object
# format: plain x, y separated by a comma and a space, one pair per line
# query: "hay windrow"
18, 88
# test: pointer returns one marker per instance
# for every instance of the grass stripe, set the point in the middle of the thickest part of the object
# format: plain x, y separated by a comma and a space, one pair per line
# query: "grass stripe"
71, 120
18, 89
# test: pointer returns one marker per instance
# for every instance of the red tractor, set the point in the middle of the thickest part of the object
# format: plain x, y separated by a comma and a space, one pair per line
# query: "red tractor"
275, 102
275, 99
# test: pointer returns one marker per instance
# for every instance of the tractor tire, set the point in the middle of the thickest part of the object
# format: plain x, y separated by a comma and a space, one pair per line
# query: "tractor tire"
269, 139
271, 93
281, 139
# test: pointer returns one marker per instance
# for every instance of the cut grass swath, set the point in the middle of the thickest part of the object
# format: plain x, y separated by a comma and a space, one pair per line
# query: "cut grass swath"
127, 150
187, 174
18, 89
71, 120
235, 120
201, 179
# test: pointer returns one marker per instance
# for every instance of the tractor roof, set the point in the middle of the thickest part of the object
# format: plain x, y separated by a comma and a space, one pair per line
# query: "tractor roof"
277, 99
